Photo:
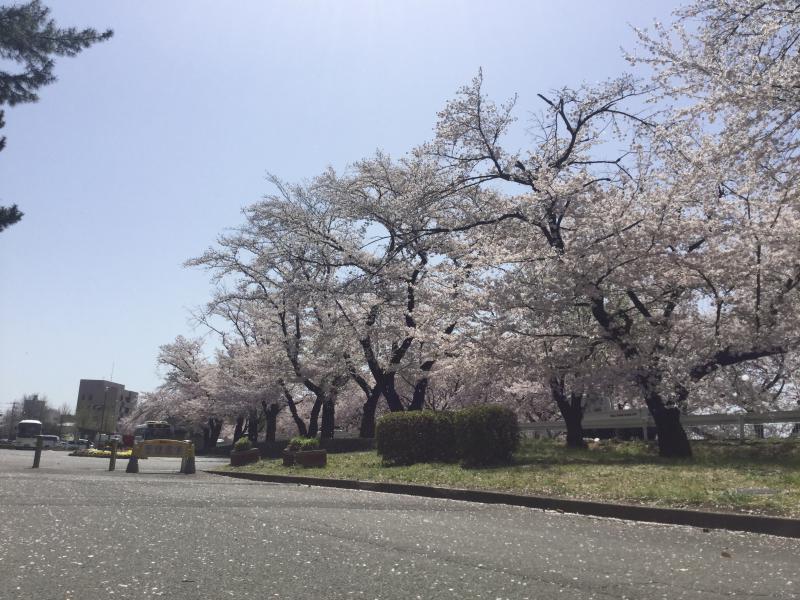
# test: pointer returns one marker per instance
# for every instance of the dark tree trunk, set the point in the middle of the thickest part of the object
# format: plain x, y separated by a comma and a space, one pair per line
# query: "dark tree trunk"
367, 429
373, 394
301, 426
313, 420
571, 409
271, 418
672, 439
252, 426
421, 385
420, 390
574, 421
328, 418
211, 433
390, 393
237, 431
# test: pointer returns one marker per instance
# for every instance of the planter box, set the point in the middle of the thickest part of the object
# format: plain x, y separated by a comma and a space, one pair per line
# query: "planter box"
239, 459
308, 458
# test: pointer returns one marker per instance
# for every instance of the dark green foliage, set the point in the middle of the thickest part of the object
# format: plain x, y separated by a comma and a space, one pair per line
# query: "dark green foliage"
30, 39
301, 444
405, 438
340, 445
242, 444
487, 435
480, 435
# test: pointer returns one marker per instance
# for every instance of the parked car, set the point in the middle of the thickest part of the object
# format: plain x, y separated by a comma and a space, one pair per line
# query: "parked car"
72, 445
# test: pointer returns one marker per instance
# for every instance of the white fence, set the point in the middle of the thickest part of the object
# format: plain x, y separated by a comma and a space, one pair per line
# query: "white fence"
627, 419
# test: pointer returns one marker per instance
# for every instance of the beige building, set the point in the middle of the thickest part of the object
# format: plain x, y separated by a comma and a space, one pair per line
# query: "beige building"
101, 404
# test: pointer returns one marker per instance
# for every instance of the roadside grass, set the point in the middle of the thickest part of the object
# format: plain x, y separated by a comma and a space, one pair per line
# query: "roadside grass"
758, 477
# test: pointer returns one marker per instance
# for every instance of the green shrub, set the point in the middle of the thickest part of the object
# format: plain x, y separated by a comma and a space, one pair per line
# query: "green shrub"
301, 444
487, 434
242, 444
405, 438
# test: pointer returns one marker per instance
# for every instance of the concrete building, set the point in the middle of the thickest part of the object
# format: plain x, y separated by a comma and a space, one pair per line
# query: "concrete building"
128, 403
101, 404
33, 408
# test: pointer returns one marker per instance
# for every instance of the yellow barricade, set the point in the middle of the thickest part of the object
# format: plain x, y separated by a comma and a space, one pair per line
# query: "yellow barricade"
163, 448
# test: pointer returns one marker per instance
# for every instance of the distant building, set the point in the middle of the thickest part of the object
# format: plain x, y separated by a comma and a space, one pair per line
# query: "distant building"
101, 404
128, 403
33, 408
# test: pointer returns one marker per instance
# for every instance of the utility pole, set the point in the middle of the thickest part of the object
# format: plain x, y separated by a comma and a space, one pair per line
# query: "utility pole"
10, 418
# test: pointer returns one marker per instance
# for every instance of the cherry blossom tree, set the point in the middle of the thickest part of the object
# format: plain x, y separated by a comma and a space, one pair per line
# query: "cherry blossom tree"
188, 394
643, 242
285, 284
399, 288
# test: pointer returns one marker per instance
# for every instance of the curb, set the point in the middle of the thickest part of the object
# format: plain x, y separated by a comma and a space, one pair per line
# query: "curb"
780, 526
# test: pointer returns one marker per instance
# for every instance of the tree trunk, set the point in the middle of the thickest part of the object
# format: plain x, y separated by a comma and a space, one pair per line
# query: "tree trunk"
571, 410
390, 393
271, 418
420, 390
672, 439
574, 422
211, 433
301, 426
421, 385
237, 432
328, 419
313, 420
252, 426
367, 429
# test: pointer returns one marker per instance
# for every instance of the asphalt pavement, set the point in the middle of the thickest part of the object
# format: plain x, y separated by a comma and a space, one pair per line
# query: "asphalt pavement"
71, 530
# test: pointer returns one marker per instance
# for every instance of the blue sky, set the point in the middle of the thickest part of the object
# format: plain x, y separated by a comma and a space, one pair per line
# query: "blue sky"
150, 144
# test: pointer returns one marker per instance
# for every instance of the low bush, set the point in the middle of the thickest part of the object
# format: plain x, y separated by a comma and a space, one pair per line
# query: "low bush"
93, 452
340, 445
405, 438
242, 444
301, 444
487, 434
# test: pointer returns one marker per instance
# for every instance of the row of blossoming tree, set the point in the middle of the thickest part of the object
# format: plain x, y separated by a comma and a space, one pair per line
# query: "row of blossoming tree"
643, 248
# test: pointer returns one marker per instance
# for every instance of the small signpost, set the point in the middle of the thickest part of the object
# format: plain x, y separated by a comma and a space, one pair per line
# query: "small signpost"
37, 455
112, 462
163, 448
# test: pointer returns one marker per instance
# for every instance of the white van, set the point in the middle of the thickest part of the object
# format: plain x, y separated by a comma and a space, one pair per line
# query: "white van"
50, 441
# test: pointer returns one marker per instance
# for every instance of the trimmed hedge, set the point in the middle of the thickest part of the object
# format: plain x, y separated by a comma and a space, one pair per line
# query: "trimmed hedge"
300, 444
275, 449
479, 435
243, 444
405, 438
487, 435
340, 445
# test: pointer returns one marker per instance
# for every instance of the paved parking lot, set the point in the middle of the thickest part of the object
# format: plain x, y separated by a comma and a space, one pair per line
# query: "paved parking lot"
72, 531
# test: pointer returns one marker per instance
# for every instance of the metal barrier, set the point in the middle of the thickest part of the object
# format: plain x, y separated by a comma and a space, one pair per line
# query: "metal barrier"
163, 448
635, 418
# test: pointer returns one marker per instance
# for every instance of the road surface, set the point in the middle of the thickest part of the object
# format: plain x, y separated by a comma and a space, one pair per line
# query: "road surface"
72, 531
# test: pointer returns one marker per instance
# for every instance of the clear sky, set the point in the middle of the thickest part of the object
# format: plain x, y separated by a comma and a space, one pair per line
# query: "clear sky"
150, 144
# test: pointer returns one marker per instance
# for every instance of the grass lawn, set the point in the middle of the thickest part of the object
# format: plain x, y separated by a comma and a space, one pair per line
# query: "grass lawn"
761, 477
